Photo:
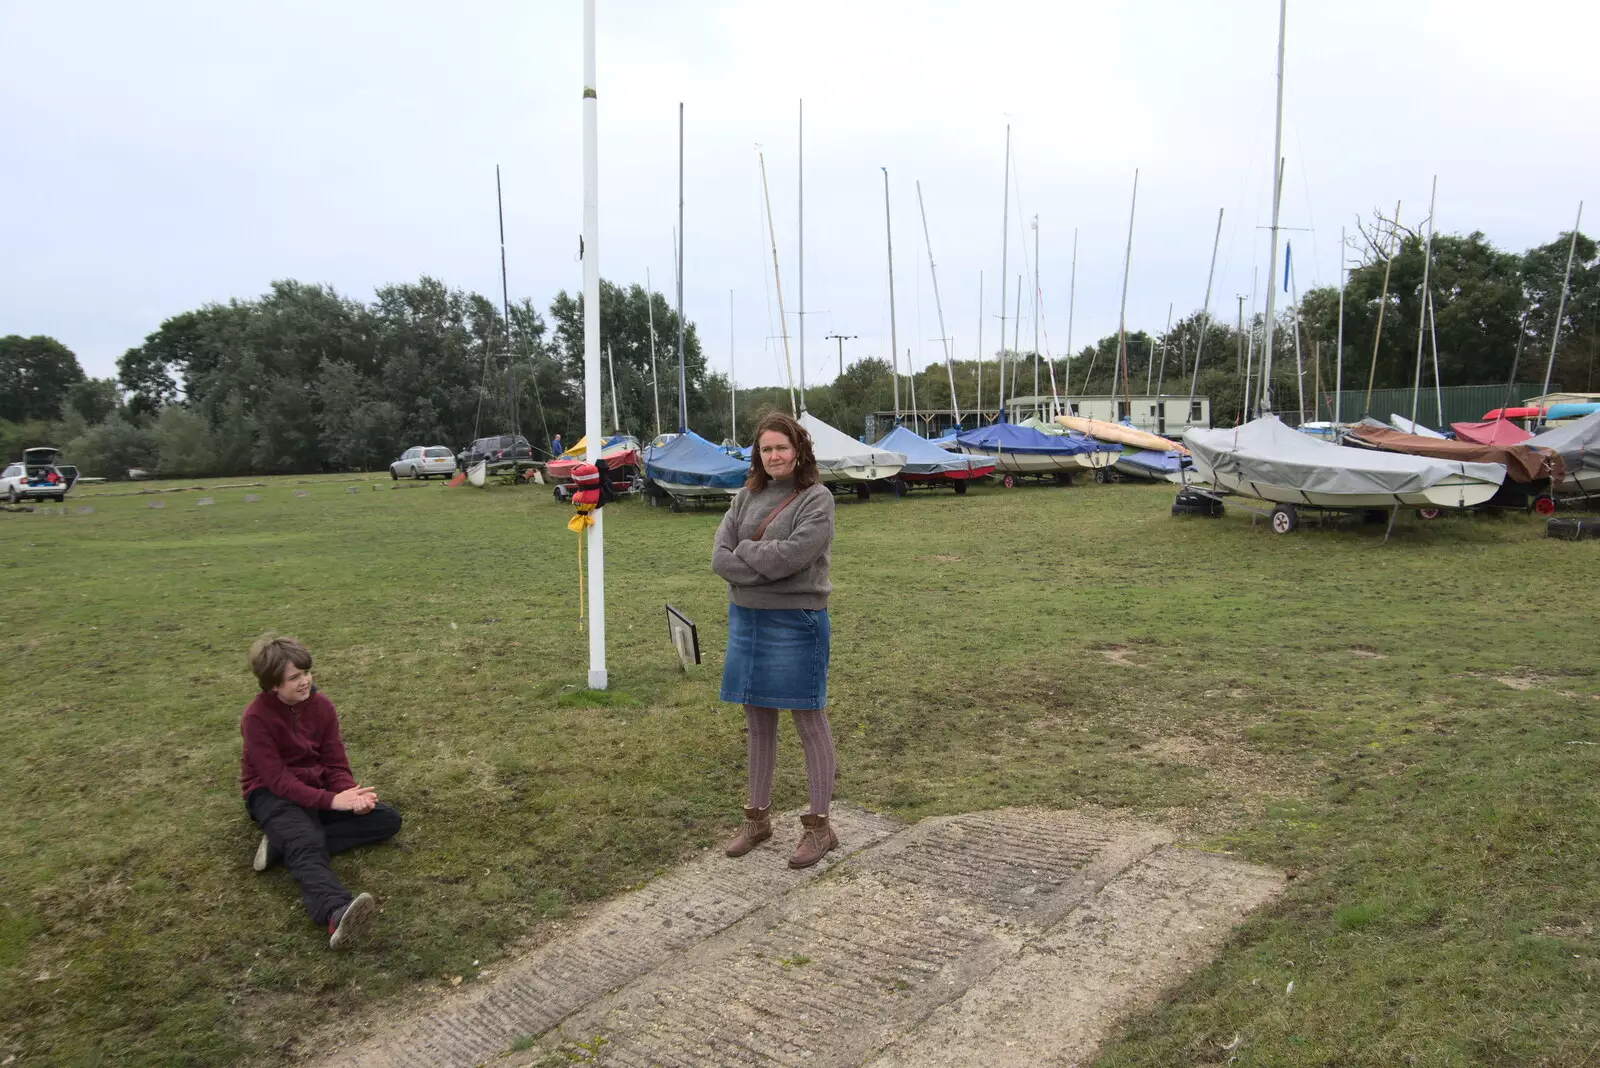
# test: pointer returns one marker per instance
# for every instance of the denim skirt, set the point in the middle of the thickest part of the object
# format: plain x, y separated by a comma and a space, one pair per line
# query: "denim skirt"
777, 657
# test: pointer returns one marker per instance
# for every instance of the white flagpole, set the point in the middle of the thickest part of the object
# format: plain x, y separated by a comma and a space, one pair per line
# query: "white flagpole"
591, 348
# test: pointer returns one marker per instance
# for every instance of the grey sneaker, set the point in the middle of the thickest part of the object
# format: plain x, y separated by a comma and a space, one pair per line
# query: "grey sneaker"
346, 925
261, 862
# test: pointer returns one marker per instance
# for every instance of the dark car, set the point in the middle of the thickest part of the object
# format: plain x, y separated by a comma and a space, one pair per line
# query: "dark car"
498, 452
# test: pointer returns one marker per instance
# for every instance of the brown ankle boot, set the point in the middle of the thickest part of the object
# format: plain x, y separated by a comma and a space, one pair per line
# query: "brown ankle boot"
757, 829
814, 843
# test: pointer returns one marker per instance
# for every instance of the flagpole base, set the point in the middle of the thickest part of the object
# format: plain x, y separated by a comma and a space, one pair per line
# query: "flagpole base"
597, 679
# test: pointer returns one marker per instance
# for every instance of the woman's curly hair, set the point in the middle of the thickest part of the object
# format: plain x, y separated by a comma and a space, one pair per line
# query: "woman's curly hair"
805, 463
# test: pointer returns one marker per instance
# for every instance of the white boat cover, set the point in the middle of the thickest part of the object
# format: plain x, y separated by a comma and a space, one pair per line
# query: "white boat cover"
1265, 451
1579, 446
1406, 426
835, 449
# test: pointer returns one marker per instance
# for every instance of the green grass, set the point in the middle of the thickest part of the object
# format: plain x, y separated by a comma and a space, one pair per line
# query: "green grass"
1320, 702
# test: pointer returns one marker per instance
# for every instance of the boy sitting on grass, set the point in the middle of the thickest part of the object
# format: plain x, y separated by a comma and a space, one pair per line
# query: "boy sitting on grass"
298, 788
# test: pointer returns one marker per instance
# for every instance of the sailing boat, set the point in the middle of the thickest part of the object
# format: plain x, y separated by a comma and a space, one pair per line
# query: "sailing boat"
685, 466
841, 459
1025, 451
1266, 459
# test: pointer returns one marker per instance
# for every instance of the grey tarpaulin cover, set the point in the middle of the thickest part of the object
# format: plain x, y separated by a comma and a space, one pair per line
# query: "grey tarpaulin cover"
1265, 451
1579, 446
835, 449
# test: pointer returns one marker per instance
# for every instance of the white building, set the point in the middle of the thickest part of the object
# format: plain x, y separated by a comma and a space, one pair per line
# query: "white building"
1167, 414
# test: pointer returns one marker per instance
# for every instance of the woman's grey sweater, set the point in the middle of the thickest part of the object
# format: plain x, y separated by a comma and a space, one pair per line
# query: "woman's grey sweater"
788, 567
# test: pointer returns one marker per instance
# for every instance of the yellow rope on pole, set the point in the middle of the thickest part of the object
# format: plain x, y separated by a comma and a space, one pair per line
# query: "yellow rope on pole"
580, 580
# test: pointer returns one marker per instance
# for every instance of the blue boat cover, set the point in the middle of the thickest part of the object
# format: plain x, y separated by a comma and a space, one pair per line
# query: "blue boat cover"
1157, 463
691, 460
1010, 437
923, 457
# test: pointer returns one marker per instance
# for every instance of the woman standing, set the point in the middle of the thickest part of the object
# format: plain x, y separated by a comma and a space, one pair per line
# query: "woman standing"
772, 548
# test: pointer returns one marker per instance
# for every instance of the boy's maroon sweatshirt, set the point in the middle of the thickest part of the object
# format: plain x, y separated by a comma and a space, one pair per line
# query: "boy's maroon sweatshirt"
294, 751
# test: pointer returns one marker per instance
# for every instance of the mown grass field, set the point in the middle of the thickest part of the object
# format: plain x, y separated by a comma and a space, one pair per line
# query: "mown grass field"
1409, 728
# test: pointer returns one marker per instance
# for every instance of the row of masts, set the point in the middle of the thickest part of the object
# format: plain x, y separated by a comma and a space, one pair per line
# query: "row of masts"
1262, 376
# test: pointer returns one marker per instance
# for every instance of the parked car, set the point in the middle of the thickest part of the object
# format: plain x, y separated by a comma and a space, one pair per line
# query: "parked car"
498, 452
37, 476
424, 461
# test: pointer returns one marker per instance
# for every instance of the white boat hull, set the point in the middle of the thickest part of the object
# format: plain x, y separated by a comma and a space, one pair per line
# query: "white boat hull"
1025, 463
839, 475
1033, 463
684, 489
1097, 460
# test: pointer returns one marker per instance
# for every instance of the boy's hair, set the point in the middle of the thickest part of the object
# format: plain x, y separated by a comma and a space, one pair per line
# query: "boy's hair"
271, 656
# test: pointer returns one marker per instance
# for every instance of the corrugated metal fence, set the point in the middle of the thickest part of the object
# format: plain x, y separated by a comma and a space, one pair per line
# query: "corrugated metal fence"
1462, 404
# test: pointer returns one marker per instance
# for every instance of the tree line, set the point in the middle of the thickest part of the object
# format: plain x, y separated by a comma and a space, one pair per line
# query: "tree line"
306, 379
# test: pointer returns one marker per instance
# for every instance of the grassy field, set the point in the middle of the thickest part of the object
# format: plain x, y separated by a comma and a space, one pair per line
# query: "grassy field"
1409, 728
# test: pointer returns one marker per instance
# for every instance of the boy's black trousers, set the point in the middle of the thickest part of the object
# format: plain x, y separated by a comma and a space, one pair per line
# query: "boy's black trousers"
304, 839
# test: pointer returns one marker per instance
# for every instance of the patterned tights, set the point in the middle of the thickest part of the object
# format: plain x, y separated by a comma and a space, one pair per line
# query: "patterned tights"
816, 738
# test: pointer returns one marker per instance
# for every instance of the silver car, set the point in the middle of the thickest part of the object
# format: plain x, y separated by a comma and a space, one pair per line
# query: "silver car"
424, 461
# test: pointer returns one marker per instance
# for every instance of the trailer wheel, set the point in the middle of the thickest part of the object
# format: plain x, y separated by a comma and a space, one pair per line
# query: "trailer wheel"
1544, 504
1284, 519
1009, 481
1063, 478
898, 485
1101, 475
961, 488
1428, 513
863, 492
674, 505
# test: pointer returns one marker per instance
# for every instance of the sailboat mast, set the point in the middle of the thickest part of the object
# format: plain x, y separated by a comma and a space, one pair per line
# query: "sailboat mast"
1338, 364
1277, 198
1205, 318
683, 386
1561, 309
1422, 319
733, 388
505, 302
1036, 305
611, 373
777, 282
801, 315
1299, 363
1250, 344
1438, 387
1383, 302
1005, 235
980, 348
1072, 307
1122, 315
1016, 335
911, 379
894, 337
944, 338
655, 385
1166, 340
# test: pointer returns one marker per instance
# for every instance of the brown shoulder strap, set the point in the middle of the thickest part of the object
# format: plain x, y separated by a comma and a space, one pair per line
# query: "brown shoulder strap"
762, 529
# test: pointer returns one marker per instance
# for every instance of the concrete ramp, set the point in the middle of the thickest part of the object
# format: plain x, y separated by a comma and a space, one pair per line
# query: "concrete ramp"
1016, 937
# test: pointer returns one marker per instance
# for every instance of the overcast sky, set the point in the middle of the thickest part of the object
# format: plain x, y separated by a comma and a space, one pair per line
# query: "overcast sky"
160, 156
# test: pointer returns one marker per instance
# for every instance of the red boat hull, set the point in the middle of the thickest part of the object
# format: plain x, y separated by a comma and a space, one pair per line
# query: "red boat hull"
561, 470
975, 471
